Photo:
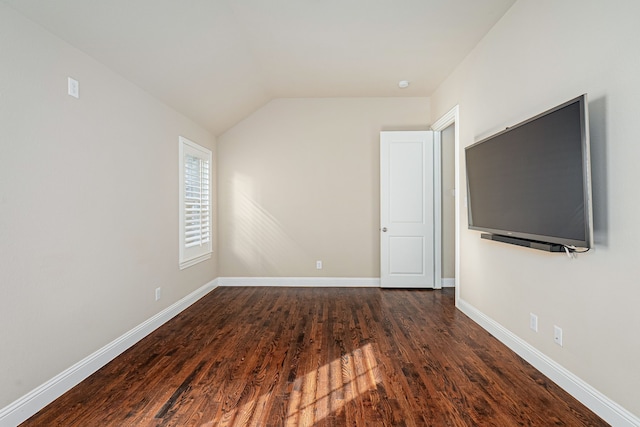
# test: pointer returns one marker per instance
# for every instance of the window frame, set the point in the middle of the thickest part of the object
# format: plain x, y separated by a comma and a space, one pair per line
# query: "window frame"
190, 255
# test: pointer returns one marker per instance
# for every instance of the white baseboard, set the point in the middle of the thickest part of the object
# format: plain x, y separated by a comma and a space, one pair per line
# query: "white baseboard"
26, 406
326, 282
604, 407
448, 282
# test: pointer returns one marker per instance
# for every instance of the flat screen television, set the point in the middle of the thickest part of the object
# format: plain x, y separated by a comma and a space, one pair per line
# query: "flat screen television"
531, 182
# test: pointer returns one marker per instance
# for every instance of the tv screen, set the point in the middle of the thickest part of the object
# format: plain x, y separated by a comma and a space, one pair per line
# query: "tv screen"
532, 180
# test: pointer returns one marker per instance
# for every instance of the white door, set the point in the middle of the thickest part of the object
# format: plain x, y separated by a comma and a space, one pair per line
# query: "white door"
407, 209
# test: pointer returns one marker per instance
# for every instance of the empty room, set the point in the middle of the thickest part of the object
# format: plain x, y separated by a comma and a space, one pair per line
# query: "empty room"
305, 213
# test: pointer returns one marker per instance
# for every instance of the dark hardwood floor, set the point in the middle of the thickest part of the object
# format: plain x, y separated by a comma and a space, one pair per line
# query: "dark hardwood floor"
318, 357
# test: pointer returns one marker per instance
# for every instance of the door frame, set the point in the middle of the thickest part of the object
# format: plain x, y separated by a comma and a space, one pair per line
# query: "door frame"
437, 209
452, 117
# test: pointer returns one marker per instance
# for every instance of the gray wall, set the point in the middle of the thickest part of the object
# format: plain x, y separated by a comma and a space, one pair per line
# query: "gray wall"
299, 181
88, 206
542, 53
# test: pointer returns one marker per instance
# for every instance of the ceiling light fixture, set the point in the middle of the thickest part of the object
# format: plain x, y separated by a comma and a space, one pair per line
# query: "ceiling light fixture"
402, 84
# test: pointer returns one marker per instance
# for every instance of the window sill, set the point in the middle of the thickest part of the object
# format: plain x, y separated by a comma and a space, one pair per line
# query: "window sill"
194, 261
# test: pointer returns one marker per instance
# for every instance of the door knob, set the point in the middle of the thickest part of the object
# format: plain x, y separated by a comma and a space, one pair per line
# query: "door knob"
384, 229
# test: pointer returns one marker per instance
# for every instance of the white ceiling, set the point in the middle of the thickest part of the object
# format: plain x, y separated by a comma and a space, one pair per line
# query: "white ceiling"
217, 61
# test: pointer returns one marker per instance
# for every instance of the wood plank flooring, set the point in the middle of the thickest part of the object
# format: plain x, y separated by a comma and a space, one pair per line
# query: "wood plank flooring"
318, 357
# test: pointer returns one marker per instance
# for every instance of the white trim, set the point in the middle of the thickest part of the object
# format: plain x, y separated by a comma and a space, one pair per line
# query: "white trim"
453, 117
446, 120
448, 282
437, 210
26, 406
194, 261
604, 407
319, 282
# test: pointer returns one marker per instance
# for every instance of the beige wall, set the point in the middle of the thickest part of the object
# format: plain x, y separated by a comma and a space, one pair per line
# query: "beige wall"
448, 203
88, 207
544, 52
299, 182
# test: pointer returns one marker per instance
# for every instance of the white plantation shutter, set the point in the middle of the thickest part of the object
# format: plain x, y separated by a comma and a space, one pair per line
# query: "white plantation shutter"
195, 203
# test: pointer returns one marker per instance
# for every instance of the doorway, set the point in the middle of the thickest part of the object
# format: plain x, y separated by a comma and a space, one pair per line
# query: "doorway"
448, 194
448, 126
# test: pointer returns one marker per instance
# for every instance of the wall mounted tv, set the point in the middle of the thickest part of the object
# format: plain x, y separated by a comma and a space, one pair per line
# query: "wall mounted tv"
530, 184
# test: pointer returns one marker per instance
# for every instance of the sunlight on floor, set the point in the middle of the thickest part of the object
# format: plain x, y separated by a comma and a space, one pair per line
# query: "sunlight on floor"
319, 393
326, 391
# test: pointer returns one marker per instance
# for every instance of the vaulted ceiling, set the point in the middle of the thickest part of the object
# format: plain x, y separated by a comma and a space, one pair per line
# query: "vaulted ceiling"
216, 61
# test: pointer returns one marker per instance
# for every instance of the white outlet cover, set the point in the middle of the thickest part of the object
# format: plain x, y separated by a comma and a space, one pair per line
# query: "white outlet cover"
533, 322
73, 87
557, 335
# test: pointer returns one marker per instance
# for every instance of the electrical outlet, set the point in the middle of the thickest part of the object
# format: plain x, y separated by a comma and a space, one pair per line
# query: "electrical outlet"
533, 322
73, 87
319, 265
158, 293
557, 335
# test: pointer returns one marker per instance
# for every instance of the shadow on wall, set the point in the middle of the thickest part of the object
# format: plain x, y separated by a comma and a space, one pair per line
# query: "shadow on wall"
598, 137
258, 239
